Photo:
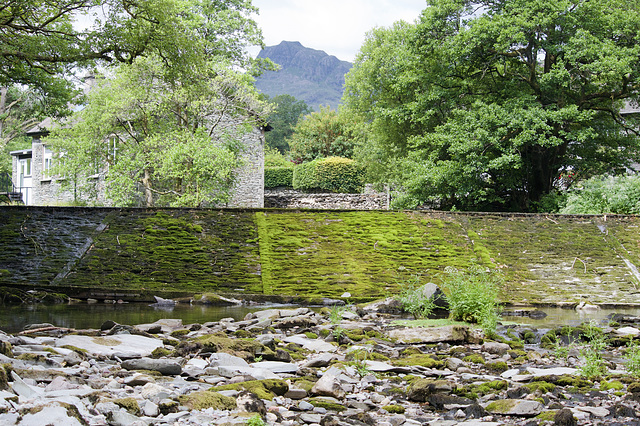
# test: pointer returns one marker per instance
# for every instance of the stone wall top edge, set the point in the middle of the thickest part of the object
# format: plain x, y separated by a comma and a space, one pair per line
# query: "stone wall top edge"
311, 210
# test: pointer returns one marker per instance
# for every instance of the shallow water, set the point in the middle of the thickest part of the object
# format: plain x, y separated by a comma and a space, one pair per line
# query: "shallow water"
79, 316
560, 316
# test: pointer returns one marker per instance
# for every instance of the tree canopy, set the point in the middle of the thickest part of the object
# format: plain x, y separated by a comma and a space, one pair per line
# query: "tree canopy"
43, 42
164, 123
286, 113
481, 105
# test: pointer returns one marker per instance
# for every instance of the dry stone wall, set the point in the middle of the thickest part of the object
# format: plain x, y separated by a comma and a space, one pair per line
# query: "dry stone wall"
290, 199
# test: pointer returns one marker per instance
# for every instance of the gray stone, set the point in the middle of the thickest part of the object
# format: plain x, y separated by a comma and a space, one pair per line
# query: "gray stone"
276, 366
224, 359
125, 345
51, 414
236, 370
515, 407
322, 360
329, 384
295, 393
495, 348
310, 418
150, 409
449, 333
167, 367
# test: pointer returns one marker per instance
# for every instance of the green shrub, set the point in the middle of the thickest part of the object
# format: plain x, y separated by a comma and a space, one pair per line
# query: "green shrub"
473, 295
605, 194
341, 175
304, 176
333, 174
278, 176
413, 299
632, 355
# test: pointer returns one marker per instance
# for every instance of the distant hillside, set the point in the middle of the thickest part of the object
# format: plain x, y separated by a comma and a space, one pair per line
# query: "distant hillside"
307, 74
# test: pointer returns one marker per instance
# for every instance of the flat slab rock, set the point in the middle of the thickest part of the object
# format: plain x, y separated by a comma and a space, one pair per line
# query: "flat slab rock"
121, 345
448, 333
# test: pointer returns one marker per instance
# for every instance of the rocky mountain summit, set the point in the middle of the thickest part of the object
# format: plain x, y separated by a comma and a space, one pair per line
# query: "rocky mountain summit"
308, 74
338, 366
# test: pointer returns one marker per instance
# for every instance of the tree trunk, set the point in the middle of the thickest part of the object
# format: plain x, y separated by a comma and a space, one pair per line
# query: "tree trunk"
146, 183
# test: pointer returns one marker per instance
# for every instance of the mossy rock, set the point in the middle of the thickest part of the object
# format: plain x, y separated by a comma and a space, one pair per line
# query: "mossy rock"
614, 384
160, 352
423, 360
219, 342
546, 416
542, 387
394, 409
411, 350
497, 366
326, 404
180, 333
4, 379
129, 404
264, 389
168, 406
475, 391
420, 389
242, 334
5, 349
474, 358
304, 383
207, 399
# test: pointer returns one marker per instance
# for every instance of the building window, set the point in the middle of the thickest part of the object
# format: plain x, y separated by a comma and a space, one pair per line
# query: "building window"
25, 167
46, 164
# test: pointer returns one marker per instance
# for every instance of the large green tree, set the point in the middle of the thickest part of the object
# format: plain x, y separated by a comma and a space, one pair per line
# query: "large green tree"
481, 105
286, 113
43, 43
173, 105
324, 133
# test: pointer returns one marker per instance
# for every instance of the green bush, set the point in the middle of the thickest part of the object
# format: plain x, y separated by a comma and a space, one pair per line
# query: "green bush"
333, 174
278, 176
473, 295
605, 195
304, 176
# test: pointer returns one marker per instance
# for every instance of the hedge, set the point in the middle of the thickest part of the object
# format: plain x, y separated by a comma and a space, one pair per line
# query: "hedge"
278, 176
333, 174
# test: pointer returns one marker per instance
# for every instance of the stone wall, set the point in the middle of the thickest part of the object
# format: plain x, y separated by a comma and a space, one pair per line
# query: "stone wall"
290, 199
248, 191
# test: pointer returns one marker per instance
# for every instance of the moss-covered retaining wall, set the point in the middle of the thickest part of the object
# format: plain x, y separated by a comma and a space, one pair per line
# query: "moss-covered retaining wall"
310, 254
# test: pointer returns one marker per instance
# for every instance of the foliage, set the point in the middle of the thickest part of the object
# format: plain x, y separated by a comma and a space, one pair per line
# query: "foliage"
256, 420
167, 138
278, 171
605, 195
593, 363
473, 295
413, 299
632, 356
324, 133
286, 113
333, 174
278, 176
482, 105
20, 109
45, 41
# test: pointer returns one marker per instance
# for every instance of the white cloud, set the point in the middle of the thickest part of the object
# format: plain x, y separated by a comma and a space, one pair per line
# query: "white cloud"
336, 26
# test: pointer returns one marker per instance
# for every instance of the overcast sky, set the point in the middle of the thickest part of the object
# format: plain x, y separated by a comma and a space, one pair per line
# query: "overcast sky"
336, 26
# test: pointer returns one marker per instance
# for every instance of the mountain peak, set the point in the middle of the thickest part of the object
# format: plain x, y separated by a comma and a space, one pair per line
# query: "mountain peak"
308, 74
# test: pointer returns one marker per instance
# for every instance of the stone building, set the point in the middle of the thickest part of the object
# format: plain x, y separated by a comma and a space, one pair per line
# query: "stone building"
31, 173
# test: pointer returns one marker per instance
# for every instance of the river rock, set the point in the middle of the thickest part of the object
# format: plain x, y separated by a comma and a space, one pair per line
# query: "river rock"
276, 366
54, 413
515, 407
449, 333
167, 367
329, 384
121, 345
